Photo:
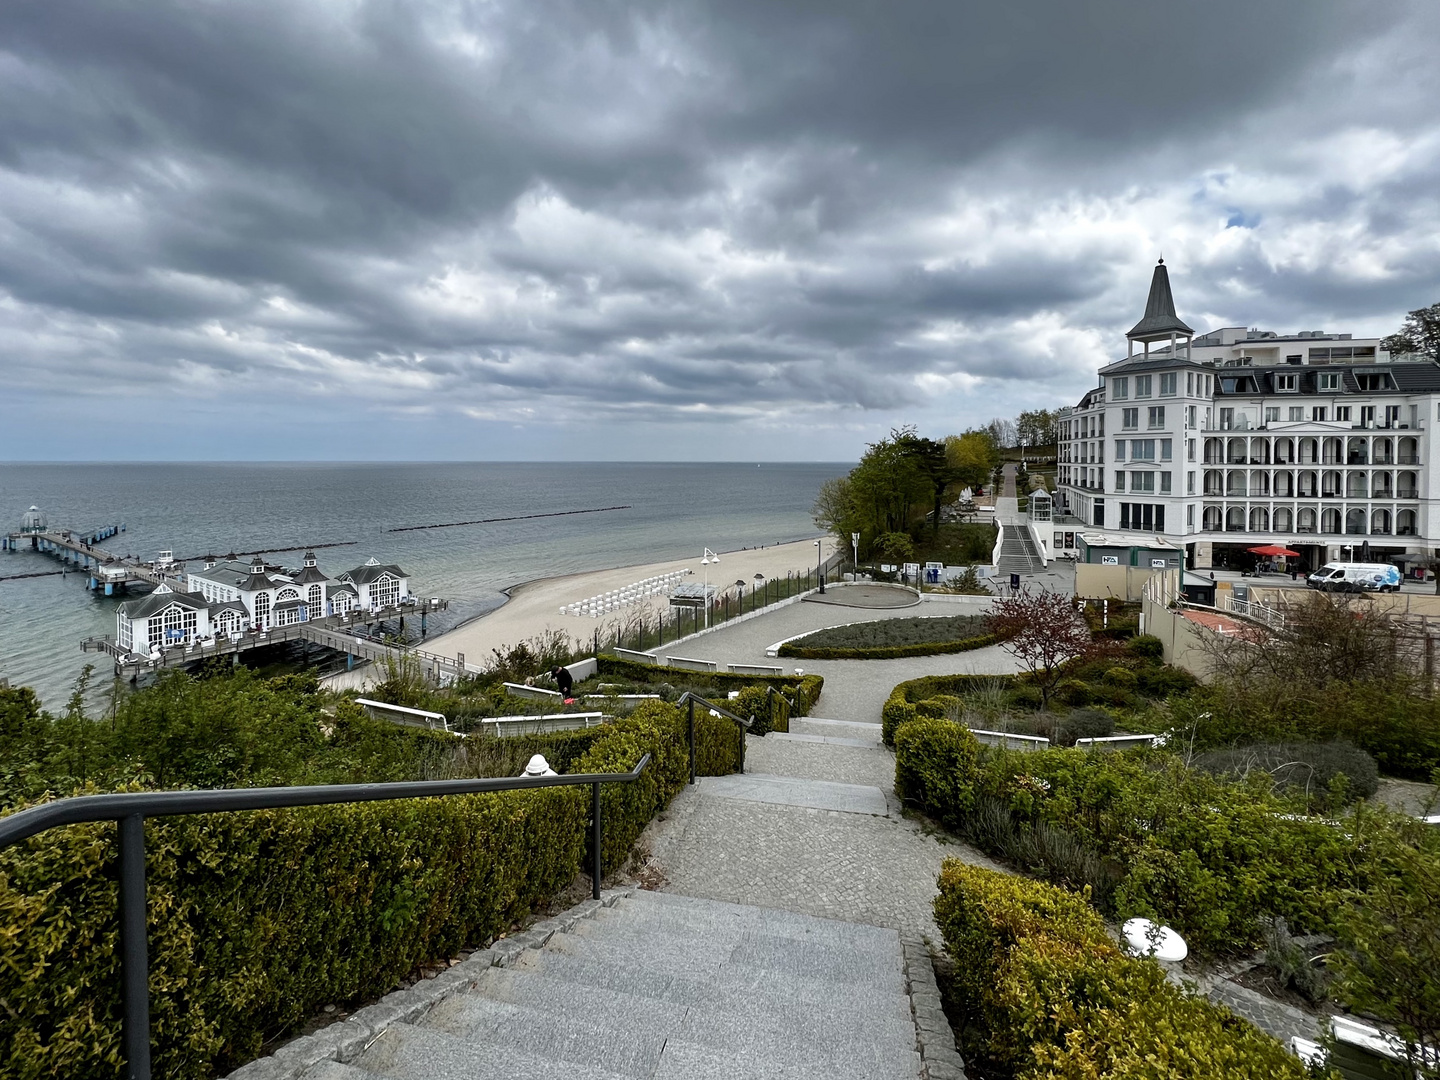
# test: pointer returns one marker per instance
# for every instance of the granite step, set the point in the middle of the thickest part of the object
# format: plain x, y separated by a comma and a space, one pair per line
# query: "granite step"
756, 988
841, 729
416, 1052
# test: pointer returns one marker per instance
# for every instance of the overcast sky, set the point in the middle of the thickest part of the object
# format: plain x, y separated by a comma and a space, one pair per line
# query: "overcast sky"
739, 230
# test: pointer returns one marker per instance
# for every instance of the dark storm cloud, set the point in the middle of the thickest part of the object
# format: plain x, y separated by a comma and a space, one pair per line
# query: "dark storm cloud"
510, 211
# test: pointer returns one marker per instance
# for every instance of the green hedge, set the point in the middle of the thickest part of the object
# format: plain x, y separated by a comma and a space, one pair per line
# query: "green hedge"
801, 691
889, 652
259, 919
899, 708
1151, 837
1053, 997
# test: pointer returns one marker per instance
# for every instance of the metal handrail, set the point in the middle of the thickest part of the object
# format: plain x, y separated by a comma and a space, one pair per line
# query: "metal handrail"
688, 699
130, 809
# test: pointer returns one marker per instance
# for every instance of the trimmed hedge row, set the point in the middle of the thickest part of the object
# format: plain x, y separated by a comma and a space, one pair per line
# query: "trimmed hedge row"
1148, 835
801, 691
1053, 997
899, 708
258, 919
889, 652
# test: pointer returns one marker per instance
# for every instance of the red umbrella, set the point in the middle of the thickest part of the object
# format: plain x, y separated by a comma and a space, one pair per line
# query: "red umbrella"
1272, 550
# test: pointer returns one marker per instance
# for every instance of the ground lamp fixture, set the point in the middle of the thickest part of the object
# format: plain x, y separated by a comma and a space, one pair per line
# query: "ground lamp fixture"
819, 571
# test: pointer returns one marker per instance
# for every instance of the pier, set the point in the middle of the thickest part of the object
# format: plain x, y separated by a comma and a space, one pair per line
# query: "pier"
341, 633
80, 550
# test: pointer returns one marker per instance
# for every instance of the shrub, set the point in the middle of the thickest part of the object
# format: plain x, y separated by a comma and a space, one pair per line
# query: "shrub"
1311, 769
1121, 677
771, 712
1209, 857
1054, 997
934, 767
802, 691
1145, 646
1075, 692
1024, 696
258, 919
891, 639
933, 708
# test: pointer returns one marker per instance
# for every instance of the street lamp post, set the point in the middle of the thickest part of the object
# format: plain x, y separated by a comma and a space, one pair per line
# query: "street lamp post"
819, 572
705, 560
855, 543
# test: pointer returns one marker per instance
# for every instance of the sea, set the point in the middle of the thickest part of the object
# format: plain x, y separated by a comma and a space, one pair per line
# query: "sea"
671, 511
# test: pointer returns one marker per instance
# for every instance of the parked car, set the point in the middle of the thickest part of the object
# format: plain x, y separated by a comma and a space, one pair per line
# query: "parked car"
1355, 577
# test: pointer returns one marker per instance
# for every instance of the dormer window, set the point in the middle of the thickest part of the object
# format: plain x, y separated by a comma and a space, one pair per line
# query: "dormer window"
1329, 381
1285, 384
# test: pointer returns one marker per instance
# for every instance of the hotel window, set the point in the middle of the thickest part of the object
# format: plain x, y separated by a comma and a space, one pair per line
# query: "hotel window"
1297, 413
1190, 416
1164, 449
1119, 389
1167, 385
1130, 418
1142, 449
1189, 449
1285, 383
1318, 414
1227, 419
1164, 483
1142, 481
1189, 384
1190, 517
1142, 386
1367, 416
1119, 480
1119, 449
1392, 415
1190, 483
1342, 412
1272, 415
1156, 418
1329, 380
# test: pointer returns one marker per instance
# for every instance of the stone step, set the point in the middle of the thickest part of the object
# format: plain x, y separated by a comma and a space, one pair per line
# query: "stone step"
786, 956
795, 736
843, 729
687, 1061
665, 915
575, 1031
334, 1070
797, 791
410, 1052
727, 931
727, 983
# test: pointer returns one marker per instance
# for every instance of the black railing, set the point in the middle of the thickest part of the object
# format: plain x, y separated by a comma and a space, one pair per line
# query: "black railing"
129, 811
688, 700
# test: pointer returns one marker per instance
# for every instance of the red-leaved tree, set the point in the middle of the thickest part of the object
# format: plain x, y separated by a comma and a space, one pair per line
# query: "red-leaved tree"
1044, 632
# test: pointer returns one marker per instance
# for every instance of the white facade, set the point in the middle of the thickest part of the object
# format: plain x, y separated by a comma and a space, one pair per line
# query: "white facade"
227, 598
1318, 442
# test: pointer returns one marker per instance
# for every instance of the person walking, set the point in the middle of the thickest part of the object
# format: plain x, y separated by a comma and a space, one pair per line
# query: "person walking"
564, 680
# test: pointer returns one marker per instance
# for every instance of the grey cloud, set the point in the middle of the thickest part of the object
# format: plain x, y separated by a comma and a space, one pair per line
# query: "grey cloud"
533, 210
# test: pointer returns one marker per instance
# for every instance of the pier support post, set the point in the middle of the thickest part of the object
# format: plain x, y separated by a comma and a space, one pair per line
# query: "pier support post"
109, 588
349, 661
422, 624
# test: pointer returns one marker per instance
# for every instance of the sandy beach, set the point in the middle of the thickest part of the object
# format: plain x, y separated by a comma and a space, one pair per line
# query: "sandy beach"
534, 608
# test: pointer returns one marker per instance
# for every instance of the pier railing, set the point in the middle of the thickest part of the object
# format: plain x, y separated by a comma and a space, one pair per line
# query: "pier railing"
130, 810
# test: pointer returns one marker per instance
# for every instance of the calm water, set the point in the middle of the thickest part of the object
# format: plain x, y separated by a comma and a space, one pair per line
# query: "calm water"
199, 508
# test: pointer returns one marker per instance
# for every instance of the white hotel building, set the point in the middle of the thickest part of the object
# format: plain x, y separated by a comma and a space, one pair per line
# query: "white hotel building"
1319, 442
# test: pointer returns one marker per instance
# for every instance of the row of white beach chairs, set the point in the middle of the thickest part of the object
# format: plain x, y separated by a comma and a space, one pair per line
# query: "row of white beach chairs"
604, 603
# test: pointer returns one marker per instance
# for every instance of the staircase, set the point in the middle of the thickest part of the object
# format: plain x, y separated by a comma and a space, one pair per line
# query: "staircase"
1018, 554
660, 987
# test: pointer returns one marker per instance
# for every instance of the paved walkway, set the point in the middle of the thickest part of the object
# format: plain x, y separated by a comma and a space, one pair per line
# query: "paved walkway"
854, 689
812, 828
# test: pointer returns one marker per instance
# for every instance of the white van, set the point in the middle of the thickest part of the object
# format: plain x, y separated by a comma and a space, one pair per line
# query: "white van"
1355, 577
